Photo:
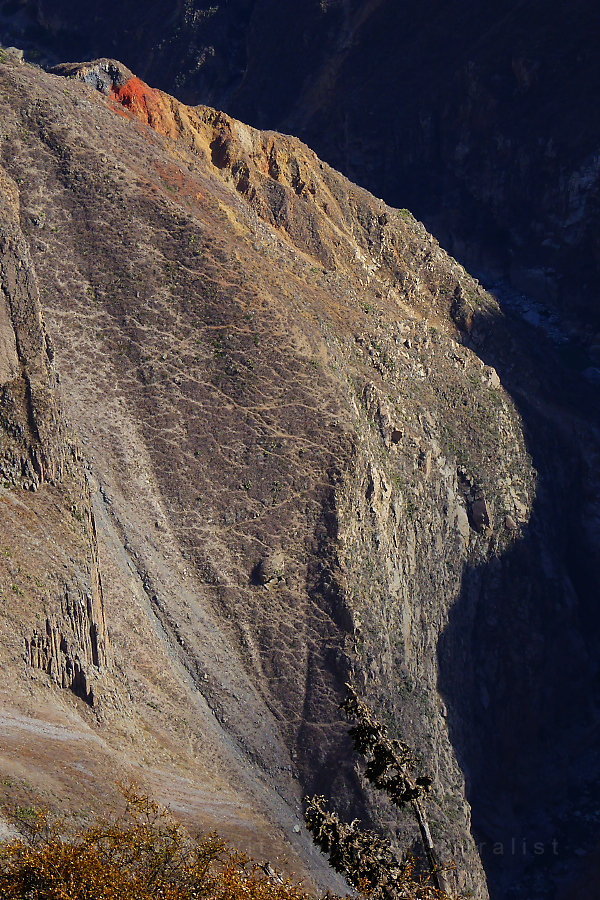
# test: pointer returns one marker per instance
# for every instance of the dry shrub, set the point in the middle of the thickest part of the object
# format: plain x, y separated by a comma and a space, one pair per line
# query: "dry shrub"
141, 855
367, 859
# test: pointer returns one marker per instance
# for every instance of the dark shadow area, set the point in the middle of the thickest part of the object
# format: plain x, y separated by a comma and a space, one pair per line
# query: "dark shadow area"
519, 661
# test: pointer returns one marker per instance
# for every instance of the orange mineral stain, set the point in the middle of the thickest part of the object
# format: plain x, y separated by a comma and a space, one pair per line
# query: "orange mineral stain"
144, 103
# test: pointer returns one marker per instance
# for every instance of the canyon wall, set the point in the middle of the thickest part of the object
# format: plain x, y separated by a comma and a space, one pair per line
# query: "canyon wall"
478, 120
282, 440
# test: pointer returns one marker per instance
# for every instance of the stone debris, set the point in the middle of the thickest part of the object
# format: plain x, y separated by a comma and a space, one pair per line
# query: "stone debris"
270, 569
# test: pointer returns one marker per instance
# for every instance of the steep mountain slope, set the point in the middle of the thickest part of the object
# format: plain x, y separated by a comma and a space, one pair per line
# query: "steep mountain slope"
255, 443
479, 118
476, 117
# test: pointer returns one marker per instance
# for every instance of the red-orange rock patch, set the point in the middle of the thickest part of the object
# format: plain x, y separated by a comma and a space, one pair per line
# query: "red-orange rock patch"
144, 103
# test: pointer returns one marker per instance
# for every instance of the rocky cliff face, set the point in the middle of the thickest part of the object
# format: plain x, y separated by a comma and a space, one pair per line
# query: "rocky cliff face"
478, 120
262, 436
36, 454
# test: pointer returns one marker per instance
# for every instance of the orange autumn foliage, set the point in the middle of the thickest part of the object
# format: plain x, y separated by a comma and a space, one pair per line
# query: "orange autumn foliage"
142, 855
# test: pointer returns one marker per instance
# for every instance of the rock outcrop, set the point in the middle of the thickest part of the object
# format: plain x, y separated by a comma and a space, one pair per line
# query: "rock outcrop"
67, 658
32, 447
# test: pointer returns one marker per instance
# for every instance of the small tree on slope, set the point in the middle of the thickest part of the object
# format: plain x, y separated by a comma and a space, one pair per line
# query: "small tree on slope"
365, 858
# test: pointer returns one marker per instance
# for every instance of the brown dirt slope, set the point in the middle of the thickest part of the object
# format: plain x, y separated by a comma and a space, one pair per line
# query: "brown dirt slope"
250, 447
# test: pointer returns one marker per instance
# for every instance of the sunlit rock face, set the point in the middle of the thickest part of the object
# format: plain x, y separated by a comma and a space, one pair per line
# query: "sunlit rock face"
260, 436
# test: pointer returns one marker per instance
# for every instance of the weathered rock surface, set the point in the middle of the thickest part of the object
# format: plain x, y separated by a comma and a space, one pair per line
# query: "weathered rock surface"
265, 383
478, 119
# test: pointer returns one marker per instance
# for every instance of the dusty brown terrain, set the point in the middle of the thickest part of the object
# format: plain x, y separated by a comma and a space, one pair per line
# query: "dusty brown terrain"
252, 446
